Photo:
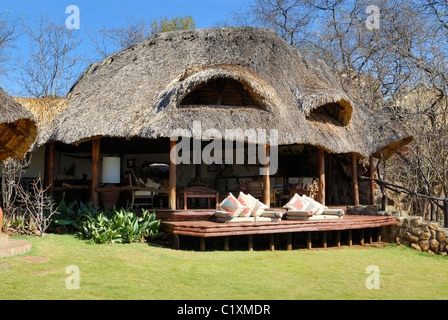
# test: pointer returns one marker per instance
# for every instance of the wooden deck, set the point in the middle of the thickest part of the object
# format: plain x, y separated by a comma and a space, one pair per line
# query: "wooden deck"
210, 229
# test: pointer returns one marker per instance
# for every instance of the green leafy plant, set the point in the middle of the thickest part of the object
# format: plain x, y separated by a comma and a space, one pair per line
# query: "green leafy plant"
122, 227
73, 215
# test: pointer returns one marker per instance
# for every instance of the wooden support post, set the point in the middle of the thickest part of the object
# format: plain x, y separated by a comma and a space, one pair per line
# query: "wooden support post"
202, 244
250, 243
321, 194
49, 166
370, 236
308, 240
338, 238
172, 177
350, 238
289, 241
372, 183
324, 239
362, 237
329, 195
95, 171
226, 243
266, 197
378, 239
355, 180
272, 242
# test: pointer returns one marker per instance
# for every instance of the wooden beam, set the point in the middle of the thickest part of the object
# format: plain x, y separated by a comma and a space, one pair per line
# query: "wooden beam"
172, 177
308, 240
202, 244
329, 195
338, 238
95, 171
272, 242
289, 241
321, 193
355, 180
49, 166
266, 197
324, 239
372, 183
350, 238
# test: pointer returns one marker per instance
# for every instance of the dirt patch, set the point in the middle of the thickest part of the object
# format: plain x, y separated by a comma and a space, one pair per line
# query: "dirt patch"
34, 259
43, 272
5, 265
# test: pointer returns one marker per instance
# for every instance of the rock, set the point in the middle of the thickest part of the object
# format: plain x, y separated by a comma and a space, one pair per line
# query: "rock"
416, 247
406, 223
434, 245
402, 232
403, 242
425, 235
412, 238
416, 222
424, 227
433, 226
424, 245
433, 233
398, 221
441, 235
416, 230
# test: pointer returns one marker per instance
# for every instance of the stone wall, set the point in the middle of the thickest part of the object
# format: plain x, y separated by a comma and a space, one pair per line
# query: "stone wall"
420, 235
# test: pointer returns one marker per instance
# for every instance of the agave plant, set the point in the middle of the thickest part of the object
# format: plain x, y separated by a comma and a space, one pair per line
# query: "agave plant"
122, 227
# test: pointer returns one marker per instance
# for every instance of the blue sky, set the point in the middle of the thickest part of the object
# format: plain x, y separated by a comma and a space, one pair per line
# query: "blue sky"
95, 14
110, 13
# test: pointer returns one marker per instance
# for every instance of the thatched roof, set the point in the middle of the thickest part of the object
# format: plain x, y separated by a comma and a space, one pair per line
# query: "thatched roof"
44, 111
226, 78
18, 128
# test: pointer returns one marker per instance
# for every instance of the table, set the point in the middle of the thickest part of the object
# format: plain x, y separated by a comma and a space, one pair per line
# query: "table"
197, 192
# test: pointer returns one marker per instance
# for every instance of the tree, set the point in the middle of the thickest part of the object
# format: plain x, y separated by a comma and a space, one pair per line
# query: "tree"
399, 69
52, 62
175, 23
292, 19
9, 33
109, 40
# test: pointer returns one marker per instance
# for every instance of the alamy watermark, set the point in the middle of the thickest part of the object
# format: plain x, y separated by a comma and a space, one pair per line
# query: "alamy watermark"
72, 281
373, 280
373, 20
189, 151
73, 21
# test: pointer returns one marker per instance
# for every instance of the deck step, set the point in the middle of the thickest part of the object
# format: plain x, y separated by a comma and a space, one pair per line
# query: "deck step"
14, 247
3, 239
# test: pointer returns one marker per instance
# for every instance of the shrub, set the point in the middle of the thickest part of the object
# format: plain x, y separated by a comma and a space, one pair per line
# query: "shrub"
122, 227
72, 217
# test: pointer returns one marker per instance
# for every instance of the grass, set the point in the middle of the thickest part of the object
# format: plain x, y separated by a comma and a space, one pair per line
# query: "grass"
142, 271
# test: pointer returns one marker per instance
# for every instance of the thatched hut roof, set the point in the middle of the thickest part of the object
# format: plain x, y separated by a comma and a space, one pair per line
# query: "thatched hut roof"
18, 128
44, 111
226, 78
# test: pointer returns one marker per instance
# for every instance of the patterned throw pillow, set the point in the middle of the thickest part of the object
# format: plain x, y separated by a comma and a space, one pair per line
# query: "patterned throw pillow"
224, 215
231, 205
259, 208
320, 207
298, 203
249, 202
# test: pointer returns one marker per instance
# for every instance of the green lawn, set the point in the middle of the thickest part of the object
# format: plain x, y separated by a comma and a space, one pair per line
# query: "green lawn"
142, 271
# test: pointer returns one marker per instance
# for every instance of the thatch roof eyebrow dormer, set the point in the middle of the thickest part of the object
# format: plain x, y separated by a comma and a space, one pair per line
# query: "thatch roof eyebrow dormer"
173, 79
18, 129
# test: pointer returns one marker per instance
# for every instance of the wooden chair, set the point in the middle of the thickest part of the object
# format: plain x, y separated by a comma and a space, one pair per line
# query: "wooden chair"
255, 189
147, 197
